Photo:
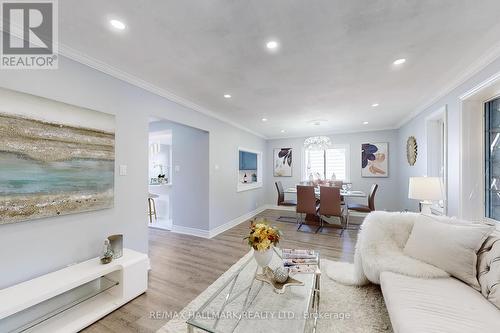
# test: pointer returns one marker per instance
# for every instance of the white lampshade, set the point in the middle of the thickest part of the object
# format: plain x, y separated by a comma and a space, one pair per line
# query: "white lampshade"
425, 188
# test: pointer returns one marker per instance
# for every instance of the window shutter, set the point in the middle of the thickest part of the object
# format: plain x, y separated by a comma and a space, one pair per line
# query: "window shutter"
315, 163
336, 162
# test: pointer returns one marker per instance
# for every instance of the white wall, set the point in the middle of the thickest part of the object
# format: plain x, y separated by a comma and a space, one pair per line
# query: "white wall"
33, 248
416, 127
387, 195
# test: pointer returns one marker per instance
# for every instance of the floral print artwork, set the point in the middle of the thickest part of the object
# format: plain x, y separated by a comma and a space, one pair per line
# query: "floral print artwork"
374, 159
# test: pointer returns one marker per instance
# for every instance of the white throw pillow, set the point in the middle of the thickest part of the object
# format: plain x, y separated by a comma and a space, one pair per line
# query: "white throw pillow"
452, 247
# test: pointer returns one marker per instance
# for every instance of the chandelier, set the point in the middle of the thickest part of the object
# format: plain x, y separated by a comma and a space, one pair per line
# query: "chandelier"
317, 143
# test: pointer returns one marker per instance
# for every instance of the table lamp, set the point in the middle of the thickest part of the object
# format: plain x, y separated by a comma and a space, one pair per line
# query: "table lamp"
425, 189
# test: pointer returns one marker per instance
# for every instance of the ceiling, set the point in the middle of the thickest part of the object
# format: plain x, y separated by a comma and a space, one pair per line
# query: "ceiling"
334, 61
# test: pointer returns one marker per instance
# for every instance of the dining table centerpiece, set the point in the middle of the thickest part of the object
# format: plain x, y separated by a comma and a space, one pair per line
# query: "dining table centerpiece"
262, 238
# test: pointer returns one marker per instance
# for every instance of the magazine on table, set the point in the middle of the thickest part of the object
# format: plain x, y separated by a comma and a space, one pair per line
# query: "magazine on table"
299, 254
301, 261
304, 269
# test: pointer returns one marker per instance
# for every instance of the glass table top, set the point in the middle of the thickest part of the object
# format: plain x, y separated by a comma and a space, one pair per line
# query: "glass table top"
243, 304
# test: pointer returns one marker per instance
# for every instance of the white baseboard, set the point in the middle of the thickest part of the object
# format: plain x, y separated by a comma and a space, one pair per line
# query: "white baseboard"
226, 226
276, 207
190, 231
220, 229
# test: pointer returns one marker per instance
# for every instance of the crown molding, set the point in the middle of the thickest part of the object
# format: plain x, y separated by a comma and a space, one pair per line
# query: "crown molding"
376, 129
119, 74
489, 56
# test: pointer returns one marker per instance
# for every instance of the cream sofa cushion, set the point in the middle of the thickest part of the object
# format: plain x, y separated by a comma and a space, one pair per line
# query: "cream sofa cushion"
450, 246
488, 267
443, 305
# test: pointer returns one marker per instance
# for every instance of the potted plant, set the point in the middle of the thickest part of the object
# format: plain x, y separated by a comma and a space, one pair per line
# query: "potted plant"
262, 238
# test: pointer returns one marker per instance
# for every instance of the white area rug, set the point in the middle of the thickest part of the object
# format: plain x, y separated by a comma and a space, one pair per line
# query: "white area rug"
364, 307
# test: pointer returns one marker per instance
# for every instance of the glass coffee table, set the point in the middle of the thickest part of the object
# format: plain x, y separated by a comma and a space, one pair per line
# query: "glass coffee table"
243, 304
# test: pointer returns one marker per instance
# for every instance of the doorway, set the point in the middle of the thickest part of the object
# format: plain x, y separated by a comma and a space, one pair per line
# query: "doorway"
160, 179
178, 177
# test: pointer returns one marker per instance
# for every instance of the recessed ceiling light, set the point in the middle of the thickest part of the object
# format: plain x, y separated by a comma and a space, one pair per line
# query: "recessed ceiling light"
117, 24
374, 105
264, 119
282, 131
272, 45
399, 61
227, 96
365, 123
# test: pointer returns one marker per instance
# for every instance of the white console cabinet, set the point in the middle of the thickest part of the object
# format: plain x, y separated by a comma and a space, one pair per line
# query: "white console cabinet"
74, 297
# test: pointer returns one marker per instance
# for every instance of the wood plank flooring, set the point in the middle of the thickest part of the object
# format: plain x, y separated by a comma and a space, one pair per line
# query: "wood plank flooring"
183, 266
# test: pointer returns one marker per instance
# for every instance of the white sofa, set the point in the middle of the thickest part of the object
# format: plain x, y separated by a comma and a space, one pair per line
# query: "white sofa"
447, 304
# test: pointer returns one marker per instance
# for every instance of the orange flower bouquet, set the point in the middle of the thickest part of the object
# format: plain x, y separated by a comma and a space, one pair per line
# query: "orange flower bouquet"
261, 238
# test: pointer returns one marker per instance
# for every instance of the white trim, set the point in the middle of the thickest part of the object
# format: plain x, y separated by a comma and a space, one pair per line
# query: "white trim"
364, 130
470, 95
476, 89
226, 226
119, 74
105, 68
440, 114
220, 229
284, 208
240, 187
178, 229
491, 55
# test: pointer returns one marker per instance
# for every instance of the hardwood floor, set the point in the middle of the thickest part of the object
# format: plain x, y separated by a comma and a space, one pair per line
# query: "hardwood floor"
183, 266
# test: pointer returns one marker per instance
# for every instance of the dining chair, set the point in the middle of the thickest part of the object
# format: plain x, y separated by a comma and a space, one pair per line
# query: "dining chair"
360, 208
330, 205
306, 203
283, 202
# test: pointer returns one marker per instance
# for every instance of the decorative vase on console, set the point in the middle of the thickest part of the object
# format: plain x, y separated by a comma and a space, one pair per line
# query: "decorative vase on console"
262, 238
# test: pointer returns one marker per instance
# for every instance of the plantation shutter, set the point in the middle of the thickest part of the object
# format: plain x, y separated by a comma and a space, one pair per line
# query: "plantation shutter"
315, 163
336, 163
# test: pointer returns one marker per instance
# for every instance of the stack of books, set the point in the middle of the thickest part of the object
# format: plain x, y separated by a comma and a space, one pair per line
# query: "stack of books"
301, 261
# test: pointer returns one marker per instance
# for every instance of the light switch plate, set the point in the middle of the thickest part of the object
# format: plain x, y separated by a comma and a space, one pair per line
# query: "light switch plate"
123, 170
177, 168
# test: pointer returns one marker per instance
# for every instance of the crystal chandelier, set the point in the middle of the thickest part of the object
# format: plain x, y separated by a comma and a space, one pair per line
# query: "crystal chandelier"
317, 143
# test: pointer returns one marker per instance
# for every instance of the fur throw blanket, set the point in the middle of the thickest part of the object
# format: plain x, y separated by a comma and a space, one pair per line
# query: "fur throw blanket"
379, 248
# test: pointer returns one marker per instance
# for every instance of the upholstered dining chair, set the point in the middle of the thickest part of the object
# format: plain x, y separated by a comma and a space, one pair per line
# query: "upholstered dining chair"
306, 203
330, 205
281, 196
360, 208
283, 202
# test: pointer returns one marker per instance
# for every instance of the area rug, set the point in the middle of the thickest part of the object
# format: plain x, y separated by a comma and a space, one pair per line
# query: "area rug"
360, 309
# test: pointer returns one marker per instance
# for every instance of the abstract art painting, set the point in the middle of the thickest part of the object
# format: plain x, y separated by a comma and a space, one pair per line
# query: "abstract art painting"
375, 159
282, 160
49, 168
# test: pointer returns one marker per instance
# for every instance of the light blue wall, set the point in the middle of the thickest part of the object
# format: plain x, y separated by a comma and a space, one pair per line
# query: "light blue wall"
388, 192
416, 127
30, 249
